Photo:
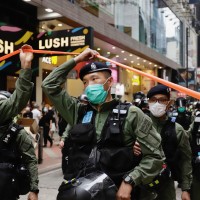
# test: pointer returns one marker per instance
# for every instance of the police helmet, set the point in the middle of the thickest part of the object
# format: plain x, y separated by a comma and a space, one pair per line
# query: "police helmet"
4, 94
94, 186
138, 98
181, 102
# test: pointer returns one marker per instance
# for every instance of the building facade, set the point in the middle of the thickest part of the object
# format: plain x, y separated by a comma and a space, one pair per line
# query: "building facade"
153, 36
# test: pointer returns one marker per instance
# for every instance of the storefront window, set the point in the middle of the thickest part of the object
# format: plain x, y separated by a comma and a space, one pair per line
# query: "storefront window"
150, 22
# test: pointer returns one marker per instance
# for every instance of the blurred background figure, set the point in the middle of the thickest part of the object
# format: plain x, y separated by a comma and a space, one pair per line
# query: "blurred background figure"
183, 118
27, 112
36, 112
140, 100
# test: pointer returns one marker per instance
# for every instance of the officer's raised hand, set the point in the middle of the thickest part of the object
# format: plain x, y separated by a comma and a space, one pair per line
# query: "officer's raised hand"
86, 55
25, 56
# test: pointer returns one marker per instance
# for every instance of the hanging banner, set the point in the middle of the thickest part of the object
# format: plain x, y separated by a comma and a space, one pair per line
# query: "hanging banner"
187, 78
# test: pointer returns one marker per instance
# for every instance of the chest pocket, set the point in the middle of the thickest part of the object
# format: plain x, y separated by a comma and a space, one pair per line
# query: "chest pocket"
82, 133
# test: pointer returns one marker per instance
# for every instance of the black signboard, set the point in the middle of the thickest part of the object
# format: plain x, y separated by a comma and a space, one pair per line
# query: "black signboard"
66, 40
12, 38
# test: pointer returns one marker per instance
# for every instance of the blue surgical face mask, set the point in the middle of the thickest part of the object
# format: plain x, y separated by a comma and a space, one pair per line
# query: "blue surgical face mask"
96, 93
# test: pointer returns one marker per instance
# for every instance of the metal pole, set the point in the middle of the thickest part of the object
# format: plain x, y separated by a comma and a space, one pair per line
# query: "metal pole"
40, 146
187, 37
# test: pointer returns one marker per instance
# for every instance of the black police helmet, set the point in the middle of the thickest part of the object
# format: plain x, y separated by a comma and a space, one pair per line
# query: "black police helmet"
4, 94
138, 95
181, 102
93, 67
94, 186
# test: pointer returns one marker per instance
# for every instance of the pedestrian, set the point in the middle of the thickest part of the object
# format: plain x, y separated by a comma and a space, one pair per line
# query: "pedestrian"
183, 118
27, 113
175, 144
17, 154
104, 126
36, 113
45, 122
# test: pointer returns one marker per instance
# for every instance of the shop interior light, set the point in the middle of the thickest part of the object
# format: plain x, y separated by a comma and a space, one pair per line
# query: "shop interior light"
48, 10
138, 63
144, 60
155, 65
98, 49
117, 56
138, 58
131, 55
125, 58
150, 63
60, 24
122, 51
132, 61
108, 52
113, 47
27, 0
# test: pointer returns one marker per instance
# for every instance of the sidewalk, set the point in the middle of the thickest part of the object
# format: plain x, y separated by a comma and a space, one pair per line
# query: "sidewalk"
52, 156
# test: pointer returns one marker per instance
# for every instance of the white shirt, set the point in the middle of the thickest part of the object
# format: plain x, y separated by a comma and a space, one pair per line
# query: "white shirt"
36, 114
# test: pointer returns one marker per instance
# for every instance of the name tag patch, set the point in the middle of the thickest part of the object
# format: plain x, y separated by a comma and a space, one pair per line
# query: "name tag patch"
88, 117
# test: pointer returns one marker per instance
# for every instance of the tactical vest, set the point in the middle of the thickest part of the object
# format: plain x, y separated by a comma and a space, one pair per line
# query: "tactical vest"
8, 150
184, 120
170, 148
195, 143
11, 166
110, 151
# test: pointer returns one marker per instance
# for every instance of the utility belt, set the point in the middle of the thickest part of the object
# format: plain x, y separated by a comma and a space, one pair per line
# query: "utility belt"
7, 166
159, 181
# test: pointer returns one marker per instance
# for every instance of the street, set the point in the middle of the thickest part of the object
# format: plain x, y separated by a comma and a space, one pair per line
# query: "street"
49, 183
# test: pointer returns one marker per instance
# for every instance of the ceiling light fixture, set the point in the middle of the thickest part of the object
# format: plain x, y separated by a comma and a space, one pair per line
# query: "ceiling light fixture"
48, 10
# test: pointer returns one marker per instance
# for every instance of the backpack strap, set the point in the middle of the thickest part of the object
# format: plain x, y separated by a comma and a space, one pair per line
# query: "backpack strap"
10, 134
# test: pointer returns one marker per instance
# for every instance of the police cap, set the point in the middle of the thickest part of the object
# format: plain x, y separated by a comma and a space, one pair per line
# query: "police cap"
159, 89
93, 67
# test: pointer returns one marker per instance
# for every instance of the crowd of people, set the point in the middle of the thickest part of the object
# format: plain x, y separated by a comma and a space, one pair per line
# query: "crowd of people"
111, 149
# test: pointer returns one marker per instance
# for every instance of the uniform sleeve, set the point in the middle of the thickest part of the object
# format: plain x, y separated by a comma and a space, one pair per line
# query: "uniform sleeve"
66, 105
28, 156
150, 143
186, 157
9, 108
66, 132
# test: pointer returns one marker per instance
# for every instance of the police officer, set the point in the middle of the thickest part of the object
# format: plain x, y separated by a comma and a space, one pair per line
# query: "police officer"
183, 118
21, 145
194, 134
140, 100
175, 144
95, 123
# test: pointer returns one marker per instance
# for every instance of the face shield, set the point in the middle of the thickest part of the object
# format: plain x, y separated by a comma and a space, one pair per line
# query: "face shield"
94, 186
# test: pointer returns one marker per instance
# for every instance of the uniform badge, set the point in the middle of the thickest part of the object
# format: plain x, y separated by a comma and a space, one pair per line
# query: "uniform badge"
87, 117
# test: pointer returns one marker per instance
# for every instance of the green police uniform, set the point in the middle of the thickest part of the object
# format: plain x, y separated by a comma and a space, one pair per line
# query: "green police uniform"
195, 192
137, 125
168, 190
12, 106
